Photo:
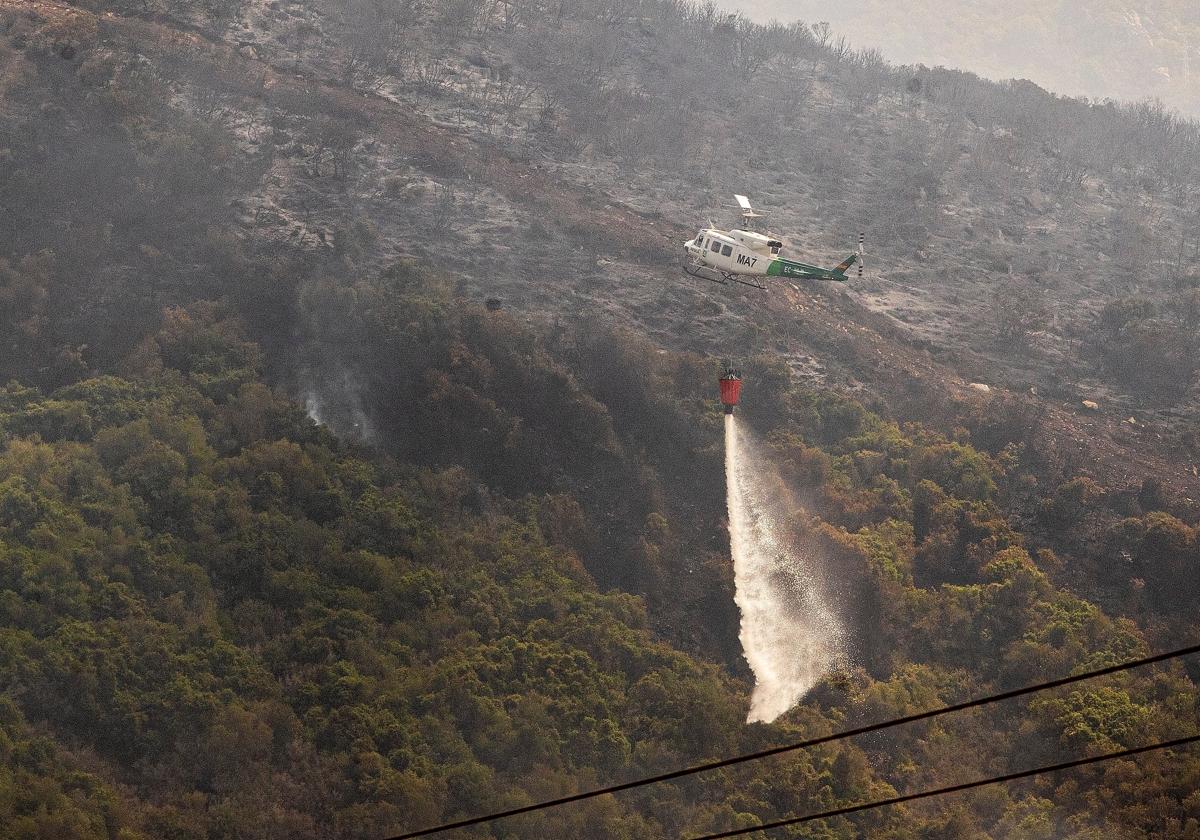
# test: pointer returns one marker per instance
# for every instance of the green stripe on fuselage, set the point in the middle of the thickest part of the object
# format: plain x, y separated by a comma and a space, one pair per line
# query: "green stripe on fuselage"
801, 271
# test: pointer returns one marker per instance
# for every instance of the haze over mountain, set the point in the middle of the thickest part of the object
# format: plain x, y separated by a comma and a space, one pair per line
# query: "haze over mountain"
1094, 48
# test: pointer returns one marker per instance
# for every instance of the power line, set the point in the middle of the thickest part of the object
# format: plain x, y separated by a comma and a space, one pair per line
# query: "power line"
800, 745
925, 794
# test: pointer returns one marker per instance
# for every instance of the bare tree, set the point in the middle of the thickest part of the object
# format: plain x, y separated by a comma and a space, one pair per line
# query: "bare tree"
1019, 309
332, 141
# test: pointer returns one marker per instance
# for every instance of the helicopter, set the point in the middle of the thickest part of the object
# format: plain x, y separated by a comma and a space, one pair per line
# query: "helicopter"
742, 255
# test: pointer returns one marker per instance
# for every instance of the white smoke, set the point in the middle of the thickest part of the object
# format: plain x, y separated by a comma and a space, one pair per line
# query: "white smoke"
333, 400
790, 634
312, 405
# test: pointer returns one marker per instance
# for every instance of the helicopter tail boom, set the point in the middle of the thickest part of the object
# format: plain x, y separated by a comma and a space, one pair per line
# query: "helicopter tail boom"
781, 267
804, 271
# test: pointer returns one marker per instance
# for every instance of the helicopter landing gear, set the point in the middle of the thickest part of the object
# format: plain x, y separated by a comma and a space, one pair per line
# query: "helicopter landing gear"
738, 279
697, 269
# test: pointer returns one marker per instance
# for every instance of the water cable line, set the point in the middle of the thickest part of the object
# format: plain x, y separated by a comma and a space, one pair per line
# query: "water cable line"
925, 794
812, 742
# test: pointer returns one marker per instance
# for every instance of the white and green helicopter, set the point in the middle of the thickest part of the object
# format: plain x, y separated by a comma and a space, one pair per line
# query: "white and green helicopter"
742, 255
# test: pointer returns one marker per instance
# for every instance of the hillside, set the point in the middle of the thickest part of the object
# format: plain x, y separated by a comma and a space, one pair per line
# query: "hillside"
1001, 222
1101, 49
218, 621
300, 538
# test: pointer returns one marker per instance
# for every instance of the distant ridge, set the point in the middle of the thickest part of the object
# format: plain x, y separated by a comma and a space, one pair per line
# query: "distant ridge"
1065, 47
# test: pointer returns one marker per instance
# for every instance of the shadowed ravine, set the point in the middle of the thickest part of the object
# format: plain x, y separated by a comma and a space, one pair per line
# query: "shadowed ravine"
790, 634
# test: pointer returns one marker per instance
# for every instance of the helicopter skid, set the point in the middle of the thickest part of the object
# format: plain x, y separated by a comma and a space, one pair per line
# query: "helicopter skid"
714, 276
736, 279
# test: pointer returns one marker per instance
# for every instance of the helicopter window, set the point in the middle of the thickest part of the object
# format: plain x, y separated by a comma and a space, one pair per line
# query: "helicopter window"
714, 245
726, 251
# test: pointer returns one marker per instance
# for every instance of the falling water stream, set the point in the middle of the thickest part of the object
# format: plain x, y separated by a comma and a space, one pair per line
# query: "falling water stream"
790, 635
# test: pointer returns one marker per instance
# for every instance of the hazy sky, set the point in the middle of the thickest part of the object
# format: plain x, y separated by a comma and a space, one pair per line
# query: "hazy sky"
1120, 49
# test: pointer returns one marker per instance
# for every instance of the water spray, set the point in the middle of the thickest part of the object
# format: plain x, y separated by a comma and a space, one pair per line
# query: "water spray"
790, 634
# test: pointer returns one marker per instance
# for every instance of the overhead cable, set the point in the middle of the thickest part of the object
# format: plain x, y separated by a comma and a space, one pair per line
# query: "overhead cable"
925, 794
800, 745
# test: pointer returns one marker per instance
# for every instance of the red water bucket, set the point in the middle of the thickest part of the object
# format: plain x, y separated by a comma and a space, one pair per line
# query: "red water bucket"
731, 390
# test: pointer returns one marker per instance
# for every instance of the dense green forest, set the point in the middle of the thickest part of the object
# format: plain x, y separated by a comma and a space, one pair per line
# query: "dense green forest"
217, 620
220, 619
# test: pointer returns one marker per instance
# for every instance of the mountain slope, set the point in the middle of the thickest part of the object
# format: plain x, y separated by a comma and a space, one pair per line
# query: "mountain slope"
456, 186
227, 220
